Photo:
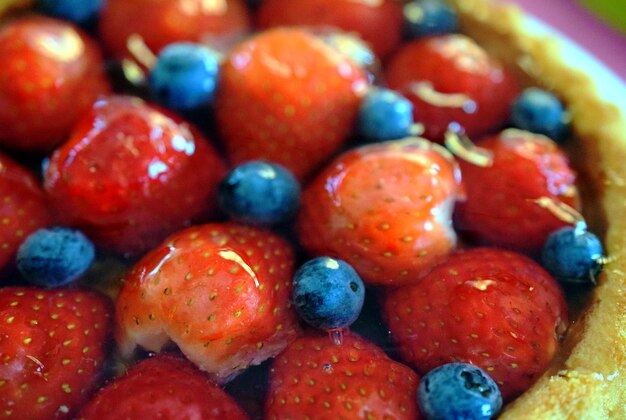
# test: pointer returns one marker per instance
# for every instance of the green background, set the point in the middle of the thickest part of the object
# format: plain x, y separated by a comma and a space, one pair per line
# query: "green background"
613, 11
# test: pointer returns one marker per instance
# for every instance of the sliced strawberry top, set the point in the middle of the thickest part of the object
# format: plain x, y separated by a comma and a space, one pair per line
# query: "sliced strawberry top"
316, 378
131, 174
287, 97
164, 387
501, 207
377, 22
52, 350
23, 208
496, 309
219, 291
51, 73
451, 79
162, 22
386, 209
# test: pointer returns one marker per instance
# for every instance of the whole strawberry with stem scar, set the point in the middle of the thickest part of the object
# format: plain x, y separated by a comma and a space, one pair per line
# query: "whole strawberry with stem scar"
220, 292
316, 378
496, 309
452, 82
384, 208
505, 200
286, 96
51, 73
164, 387
131, 174
162, 22
53, 345
379, 23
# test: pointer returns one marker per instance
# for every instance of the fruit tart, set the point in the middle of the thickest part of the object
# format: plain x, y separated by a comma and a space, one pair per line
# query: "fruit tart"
324, 151
588, 378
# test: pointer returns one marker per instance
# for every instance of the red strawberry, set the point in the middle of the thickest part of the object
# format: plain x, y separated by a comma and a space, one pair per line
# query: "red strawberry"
287, 97
164, 387
131, 174
501, 207
379, 23
162, 22
23, 208
219, 291
315, 378
450, 79
384, 208
51, 73
492, 308
52, 348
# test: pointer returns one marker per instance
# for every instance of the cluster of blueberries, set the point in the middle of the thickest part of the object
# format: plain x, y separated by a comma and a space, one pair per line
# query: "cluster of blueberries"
328, 293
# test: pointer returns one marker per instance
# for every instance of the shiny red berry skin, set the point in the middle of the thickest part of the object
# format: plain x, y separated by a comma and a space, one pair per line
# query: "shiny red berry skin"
51, 74
130, 174
451, 79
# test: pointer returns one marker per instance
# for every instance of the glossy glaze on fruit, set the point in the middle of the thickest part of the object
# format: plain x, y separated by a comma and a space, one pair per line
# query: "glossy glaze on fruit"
585, 376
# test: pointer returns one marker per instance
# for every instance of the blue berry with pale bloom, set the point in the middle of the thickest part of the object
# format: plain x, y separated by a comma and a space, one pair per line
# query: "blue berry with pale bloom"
259, 193
185, 76
429, 17
328, 293
56, 256
573, 255
458, 391
385, 115
77, 11
539, 111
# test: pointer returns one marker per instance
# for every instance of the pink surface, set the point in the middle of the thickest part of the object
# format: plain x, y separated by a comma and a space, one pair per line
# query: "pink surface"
584, 28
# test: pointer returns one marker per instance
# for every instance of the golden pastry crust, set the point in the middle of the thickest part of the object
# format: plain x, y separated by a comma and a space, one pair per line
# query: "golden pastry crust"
589, 379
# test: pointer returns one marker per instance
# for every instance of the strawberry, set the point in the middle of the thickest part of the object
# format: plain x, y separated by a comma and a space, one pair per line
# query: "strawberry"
501, 207
318, 379
52, 350
384, 208
450, 79
379, 23
496, 309
51, 73
164, 387
23, 210
131, 174
163, 22
218, 291
286, 97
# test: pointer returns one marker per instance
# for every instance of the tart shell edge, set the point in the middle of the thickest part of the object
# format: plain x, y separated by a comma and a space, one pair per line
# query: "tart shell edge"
589, 379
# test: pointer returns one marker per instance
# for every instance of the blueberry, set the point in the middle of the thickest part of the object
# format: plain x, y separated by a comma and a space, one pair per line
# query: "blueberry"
429, 17
77, 11
259, 193
572, 254
328, 293
385, 115
458, 391
185, 76
56, 256
541, 112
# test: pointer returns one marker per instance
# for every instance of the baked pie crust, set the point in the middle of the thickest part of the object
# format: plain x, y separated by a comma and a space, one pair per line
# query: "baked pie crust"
588, 378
